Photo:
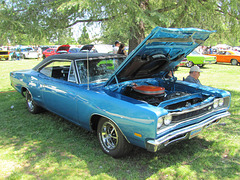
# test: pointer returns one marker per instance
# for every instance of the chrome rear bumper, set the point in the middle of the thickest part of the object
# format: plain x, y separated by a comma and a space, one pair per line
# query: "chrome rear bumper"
184, 133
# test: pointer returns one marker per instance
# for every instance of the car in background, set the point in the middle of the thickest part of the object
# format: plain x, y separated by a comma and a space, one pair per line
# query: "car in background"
29, 53
195, 58
97, 48
4, 54
49, 52
227, 56
74, 50
64, 49
127, 102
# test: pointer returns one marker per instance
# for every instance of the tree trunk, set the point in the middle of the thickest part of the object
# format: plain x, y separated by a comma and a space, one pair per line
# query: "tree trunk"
137, 32
137, 36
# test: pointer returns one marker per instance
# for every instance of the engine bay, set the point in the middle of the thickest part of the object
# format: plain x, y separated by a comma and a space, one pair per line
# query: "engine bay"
157, 94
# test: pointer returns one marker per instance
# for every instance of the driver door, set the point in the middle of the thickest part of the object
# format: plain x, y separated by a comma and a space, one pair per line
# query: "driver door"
60, 88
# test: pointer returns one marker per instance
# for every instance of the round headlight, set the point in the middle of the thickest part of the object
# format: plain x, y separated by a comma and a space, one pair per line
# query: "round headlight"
221, 102
215, 104
160, 122
167, 119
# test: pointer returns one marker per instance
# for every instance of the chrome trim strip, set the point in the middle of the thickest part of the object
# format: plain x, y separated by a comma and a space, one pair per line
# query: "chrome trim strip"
153, 145
192, 109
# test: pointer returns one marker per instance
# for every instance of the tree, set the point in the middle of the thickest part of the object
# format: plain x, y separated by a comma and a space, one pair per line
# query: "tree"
128, 20
133, 19
84, 38
35, 20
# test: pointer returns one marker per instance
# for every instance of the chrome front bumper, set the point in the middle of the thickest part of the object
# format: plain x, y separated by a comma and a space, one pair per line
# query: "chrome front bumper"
184, 133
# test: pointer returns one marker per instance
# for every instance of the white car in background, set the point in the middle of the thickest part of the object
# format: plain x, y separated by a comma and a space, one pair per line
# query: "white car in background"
29, 53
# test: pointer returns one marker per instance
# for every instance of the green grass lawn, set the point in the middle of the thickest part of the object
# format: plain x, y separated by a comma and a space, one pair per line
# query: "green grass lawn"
45, 146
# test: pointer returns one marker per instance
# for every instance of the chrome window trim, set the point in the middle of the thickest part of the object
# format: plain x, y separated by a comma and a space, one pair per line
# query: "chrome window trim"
59, 60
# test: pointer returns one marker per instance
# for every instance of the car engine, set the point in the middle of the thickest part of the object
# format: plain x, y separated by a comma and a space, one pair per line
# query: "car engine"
154, 95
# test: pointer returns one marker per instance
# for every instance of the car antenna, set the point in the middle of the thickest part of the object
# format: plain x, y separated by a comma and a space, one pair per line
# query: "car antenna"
87, 72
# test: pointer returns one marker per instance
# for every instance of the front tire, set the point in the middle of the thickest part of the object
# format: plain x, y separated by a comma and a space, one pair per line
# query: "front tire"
31, 105
189, 64
111, 139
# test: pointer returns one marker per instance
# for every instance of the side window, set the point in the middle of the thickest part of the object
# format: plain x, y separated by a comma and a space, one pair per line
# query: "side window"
71, 74
227, 53
222, 52
63, 70
82, 72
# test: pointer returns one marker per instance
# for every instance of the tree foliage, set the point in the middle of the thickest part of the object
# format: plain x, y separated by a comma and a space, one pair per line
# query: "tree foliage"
84, 38
120, 20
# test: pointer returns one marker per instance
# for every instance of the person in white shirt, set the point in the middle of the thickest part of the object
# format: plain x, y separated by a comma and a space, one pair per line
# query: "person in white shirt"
116, 47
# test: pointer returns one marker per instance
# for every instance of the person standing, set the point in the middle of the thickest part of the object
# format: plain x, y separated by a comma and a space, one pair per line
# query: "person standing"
194, 74
39, 51
116, 47
122, 50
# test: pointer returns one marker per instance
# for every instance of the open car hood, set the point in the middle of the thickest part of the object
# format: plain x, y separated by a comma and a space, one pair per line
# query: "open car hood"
160, 52
63, 48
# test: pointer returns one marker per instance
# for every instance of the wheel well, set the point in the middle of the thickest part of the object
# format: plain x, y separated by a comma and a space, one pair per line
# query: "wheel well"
234, 59
23, 90
94, 122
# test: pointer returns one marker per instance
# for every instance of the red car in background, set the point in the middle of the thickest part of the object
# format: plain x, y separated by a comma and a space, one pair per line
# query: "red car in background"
64, 49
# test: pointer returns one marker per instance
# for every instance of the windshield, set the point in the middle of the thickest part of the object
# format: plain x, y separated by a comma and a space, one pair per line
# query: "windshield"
100, 70
194, 53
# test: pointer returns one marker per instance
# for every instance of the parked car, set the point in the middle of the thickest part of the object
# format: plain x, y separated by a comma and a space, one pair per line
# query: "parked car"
227, 56
4, 54
195, 58
97, 48
74, 50
53, 51
49, 52
29, 53
127, 102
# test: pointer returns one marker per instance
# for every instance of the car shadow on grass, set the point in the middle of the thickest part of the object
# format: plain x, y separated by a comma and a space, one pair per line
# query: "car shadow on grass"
47, 146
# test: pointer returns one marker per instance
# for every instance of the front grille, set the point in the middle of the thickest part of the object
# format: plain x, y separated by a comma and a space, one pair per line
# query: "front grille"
191, 114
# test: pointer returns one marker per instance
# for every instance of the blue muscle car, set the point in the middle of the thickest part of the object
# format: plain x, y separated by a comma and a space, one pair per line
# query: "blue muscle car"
127, 100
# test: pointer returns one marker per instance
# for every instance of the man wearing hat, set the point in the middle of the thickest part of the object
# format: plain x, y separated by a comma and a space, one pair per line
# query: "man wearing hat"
116, 47
194, 75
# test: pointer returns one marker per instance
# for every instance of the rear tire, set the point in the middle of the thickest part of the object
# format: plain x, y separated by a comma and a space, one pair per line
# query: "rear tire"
31, 105
111, 139
200, 65
234, 62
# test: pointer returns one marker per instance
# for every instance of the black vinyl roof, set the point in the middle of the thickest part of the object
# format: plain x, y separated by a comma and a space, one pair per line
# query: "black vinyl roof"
78, 56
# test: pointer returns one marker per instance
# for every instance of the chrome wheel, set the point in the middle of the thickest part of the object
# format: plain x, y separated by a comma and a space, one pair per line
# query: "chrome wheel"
31, 105
111, 139
109, 136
